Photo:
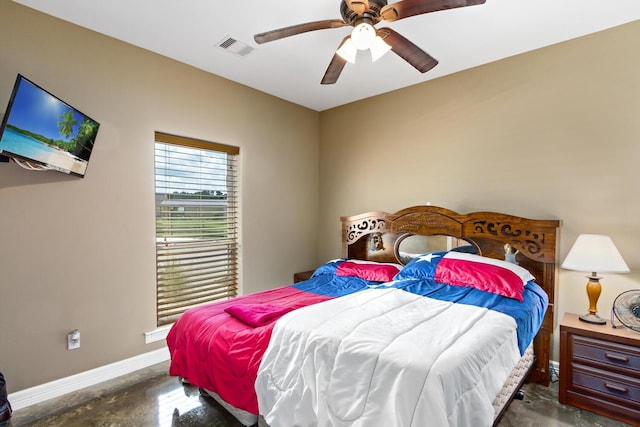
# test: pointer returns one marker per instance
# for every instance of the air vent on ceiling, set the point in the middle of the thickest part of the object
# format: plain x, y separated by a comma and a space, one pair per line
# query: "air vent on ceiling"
235, 46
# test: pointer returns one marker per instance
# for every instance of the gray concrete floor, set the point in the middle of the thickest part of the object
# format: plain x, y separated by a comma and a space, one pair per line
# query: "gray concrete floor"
150, 397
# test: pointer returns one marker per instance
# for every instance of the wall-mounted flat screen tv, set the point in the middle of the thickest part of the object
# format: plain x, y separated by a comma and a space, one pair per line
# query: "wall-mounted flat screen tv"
40, 128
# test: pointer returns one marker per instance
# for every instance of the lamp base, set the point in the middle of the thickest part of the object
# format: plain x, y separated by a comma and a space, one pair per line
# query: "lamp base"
593, 318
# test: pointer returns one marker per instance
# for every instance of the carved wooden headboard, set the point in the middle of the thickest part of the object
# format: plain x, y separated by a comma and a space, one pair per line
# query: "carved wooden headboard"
373, 236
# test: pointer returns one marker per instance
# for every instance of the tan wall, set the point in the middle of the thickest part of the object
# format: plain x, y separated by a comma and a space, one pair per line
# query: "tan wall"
553, 133
79, 253
548, 134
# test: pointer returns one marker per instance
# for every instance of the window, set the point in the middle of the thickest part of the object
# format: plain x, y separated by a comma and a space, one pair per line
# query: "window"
196, 224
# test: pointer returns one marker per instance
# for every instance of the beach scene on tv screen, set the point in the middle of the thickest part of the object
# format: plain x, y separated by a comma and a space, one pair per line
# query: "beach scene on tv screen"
43, 128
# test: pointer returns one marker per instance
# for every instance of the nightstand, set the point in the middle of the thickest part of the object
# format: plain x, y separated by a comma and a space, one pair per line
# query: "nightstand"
600, 369
303, 275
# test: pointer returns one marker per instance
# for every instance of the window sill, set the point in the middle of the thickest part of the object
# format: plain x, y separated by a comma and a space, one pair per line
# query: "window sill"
157, 334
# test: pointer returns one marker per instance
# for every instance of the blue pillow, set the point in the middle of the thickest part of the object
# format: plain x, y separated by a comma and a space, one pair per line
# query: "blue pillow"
466, 249
417, 268
329, 267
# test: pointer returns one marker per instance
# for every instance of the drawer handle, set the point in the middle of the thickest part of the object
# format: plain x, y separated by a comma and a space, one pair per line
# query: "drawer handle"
616, 357
616, 388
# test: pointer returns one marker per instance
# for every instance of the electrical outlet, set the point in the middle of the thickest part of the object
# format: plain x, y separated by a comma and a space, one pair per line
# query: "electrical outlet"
73, 340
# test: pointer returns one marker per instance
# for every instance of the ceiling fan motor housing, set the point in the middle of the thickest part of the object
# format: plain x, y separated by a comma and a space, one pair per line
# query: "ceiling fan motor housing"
350, 16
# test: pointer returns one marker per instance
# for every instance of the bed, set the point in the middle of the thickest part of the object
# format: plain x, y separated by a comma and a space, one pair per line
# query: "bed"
350, 345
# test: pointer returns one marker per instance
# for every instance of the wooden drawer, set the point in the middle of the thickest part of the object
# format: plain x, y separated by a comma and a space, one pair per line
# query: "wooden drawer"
608, 384
606, 354
600, 369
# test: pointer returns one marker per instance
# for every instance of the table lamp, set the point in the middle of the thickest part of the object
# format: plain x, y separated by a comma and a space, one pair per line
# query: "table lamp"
598, 254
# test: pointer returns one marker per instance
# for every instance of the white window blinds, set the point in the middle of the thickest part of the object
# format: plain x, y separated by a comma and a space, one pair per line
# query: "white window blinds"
196, 224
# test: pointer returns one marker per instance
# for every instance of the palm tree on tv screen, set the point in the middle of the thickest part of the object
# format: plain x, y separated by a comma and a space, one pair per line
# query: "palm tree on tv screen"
85, 138
66, 124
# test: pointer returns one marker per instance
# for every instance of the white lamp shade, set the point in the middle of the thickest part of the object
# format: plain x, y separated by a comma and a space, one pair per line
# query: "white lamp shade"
595, 253
348, 51
378, 49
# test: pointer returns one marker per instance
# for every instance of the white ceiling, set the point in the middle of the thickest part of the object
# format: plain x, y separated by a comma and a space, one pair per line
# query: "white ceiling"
291, 68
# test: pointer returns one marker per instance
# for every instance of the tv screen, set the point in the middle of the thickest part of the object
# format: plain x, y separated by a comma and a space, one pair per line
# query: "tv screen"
41, 128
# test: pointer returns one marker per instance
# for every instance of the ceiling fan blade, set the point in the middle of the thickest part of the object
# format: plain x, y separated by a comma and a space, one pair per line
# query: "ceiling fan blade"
335, 67
358, 6
406, 8
408, 51
281, 33
333, 70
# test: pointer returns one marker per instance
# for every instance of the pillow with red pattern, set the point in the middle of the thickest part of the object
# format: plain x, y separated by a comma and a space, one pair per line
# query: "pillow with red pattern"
369, 270
462, 269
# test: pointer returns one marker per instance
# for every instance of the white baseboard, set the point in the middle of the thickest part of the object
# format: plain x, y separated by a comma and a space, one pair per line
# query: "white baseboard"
157, 334
41, 393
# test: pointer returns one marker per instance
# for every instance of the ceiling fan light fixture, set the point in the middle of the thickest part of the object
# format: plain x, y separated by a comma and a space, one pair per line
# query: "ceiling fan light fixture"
378, 49
348, 50
363, 15
363, 35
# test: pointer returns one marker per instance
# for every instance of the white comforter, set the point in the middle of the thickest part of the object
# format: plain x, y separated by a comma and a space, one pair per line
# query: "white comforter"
386, 357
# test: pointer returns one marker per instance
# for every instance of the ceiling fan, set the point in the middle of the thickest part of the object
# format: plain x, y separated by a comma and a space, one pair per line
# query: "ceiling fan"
363, 15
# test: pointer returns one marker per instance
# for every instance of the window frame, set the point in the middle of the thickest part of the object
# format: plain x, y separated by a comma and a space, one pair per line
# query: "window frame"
201, 238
